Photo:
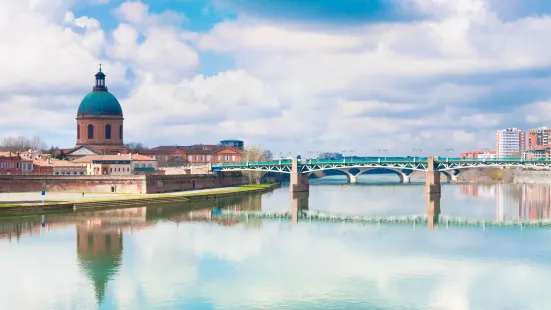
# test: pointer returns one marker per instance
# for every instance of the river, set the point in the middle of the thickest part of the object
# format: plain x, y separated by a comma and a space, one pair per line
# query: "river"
189, 257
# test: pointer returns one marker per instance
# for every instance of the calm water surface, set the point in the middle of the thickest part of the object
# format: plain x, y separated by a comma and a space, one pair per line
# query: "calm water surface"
183, 257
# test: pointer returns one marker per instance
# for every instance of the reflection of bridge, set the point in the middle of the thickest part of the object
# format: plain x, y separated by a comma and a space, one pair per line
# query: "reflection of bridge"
300, 169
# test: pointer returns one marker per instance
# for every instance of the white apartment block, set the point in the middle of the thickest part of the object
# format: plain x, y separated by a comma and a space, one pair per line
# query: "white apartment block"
510, 143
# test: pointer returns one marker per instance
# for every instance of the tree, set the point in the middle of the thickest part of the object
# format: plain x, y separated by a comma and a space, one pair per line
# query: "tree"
135, 147
268, 155
254, 154
22, 144
61, 155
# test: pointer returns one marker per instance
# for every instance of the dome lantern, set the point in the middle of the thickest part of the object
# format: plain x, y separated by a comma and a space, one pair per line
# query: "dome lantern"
100, 81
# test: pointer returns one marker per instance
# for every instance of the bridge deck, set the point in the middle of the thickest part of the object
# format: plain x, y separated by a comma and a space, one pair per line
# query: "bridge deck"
404, 163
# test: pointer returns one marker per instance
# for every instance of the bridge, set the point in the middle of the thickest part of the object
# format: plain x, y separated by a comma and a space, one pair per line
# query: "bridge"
300, 169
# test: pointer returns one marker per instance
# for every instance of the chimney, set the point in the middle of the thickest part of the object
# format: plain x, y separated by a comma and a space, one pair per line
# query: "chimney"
130, 155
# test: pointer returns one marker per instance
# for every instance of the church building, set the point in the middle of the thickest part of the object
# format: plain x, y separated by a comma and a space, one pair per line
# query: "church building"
100, 123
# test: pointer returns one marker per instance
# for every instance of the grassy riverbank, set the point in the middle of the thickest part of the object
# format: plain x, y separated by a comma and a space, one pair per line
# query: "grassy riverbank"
131, 200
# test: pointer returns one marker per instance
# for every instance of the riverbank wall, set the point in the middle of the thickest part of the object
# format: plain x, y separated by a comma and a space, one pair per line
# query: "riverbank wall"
133, 201
532, 177
132, 184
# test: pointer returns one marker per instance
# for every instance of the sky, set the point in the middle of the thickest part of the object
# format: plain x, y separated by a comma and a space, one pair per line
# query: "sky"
291, 76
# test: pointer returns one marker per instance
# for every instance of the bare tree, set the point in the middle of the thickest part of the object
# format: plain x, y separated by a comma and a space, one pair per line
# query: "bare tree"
135, 147
254, 154
22, 144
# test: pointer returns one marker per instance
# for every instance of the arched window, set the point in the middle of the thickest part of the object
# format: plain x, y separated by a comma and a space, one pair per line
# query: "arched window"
120, 132
90, 131
108, 132
78, 132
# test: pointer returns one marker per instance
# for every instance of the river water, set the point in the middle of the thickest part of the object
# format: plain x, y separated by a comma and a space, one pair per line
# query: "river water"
187, 257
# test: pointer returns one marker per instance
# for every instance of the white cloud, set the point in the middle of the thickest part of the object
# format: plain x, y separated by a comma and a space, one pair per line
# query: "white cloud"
293, 88
137, 13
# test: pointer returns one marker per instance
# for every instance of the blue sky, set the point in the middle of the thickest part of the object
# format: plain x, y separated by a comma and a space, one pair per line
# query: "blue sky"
290, 76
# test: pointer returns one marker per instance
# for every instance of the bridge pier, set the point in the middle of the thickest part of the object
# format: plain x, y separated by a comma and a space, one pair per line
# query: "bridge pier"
405, 178
352, 178
433, 210
299, 181
432, 185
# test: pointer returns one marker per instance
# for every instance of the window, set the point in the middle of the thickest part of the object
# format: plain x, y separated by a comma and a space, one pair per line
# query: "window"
90, 131
190, 158
120, 131
107, 132
233, 157
78, 131
12, 165
18, 165
208, 158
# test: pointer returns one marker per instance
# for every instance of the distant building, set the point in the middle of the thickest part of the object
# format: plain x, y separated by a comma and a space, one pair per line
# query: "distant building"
233, 143
330, 156
199, 154
124, 164
538, 137
538, 143
478, 155
58, 167
10, 163
106, 164
510, 143
26, 165
537, 152
100, 120
141, 163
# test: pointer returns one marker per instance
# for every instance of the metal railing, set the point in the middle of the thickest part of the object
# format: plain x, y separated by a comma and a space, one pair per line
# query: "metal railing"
381, 160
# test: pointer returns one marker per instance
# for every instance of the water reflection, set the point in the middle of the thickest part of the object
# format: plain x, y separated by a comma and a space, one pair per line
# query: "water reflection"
514, 201
100, 234
299, 203
186, 257
433, 209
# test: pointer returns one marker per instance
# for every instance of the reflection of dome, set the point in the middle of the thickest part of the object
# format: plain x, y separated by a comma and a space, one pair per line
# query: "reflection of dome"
100, 256
100, 103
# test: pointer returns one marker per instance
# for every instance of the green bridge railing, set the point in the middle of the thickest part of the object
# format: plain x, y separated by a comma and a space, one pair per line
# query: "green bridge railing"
285, 162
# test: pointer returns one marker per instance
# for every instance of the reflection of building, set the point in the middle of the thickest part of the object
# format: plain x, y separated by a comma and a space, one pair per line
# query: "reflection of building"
100, 243
536, 202
477, 190
508, 201
100, 255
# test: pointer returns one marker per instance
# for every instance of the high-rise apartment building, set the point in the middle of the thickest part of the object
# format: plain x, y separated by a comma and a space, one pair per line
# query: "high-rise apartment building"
510, 143
538, 137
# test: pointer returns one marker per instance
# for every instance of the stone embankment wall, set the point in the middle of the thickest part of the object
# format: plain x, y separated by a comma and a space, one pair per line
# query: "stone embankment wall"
176, 183
532, 177
59, 183
120, 184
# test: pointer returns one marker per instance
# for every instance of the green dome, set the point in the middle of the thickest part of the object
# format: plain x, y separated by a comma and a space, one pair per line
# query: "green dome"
100, 103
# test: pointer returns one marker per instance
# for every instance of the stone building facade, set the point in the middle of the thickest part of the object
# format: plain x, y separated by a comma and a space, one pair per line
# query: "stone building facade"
100, 122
